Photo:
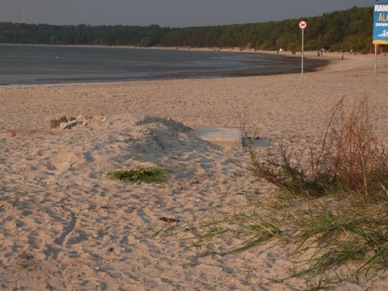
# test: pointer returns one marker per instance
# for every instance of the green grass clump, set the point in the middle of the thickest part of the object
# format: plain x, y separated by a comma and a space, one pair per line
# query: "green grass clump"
332, 204
346, 238
345, 181
253, 230
146, 175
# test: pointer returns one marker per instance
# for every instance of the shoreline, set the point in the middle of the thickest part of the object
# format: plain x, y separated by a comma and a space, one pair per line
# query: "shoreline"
311, 64
353, 71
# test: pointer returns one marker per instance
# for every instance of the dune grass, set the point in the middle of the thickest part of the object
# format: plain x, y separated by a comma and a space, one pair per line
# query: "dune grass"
332, 203
344, 227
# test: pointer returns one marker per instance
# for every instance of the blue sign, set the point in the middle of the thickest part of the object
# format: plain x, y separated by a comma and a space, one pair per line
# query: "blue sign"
380, 23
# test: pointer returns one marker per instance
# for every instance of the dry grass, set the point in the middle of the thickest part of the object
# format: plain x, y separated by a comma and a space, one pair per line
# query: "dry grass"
345, 223
350, 158
332, 204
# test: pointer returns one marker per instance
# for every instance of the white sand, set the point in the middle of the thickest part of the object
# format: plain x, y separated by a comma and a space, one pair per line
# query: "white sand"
65, 226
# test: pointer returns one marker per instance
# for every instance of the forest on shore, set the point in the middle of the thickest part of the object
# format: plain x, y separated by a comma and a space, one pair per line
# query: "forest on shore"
336, 31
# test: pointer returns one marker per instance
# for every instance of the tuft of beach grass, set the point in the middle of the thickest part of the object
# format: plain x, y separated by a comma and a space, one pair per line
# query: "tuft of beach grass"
147, 175
331, 203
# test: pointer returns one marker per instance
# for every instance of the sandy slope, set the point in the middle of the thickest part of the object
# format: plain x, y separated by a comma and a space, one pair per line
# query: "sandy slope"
65, 226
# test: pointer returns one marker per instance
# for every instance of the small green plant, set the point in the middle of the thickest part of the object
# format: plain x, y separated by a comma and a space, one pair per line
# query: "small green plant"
147, 175
253, 230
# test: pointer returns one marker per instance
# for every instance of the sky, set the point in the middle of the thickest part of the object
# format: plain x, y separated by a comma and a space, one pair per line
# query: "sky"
166, 13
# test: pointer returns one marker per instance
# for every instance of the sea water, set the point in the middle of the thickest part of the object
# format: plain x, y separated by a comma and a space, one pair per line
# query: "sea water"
33, 64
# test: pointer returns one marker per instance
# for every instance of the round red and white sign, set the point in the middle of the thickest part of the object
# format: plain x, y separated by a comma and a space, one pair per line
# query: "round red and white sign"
302, 24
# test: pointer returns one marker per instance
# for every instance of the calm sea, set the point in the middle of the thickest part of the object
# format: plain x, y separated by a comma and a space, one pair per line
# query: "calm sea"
54, 64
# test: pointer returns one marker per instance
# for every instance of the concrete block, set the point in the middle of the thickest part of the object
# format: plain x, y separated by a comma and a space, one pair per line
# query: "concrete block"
226, 137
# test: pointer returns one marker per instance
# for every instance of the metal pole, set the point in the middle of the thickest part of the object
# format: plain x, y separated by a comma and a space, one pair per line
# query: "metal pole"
302, 52
375, 66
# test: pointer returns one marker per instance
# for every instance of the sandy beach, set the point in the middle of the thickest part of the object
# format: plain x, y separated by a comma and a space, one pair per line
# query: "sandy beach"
65, 226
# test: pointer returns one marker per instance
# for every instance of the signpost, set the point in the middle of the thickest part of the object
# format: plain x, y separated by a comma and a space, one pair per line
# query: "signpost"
380, 27
302, 26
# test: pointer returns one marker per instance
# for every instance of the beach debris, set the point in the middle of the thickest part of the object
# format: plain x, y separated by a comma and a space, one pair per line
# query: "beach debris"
70, 124
256, 141
55, 121
94, 115
169, 220
226, 137
63, 122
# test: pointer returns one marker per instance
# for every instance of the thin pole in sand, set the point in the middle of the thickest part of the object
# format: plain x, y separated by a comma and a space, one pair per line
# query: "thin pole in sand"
375, 66
302, 26
302, 51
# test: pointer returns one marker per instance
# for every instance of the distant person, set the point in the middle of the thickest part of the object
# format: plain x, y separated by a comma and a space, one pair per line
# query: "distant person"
343, 56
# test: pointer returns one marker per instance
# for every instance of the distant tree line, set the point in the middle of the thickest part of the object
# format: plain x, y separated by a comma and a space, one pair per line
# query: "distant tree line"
336, 31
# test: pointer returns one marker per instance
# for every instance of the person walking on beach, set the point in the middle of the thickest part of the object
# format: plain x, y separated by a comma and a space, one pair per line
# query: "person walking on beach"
342, 56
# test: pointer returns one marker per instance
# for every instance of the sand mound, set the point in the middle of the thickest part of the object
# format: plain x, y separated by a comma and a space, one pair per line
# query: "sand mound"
76, 222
